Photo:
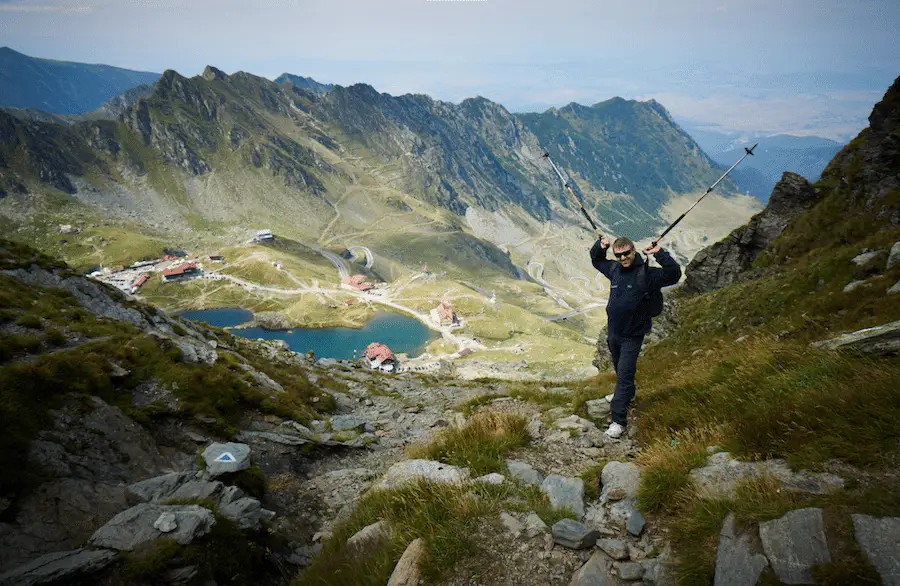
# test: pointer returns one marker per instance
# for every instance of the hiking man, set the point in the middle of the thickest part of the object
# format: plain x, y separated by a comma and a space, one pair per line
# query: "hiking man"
628, 312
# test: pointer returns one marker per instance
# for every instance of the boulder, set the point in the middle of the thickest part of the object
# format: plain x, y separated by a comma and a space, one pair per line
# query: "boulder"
614, 548
534, 525
794, 543
630, 571
247, 513
406, 572
883, 340
62, 567
879, 539
492, 478
370, 536
894, 256
513, 525
565, 492
135, 526
597, 408
635, 524
411, 470
736, 564
722, 474
574, 535
524, 472
593, 572
226, 458
623, 475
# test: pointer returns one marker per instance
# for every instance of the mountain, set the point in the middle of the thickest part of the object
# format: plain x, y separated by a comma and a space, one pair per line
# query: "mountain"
629, 155
475, 154
62, 87
804, 155
306, 83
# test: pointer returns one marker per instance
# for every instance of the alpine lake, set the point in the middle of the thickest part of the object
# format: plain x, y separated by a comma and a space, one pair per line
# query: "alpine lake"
402, 334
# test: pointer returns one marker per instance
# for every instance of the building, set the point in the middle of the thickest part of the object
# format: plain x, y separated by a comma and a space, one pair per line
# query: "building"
181, 272
445, 315
378, 356
263, 235
465, 352
140, 281
357, 282
216, 258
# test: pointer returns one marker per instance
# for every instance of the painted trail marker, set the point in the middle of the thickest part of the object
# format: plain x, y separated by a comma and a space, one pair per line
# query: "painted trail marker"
225, 457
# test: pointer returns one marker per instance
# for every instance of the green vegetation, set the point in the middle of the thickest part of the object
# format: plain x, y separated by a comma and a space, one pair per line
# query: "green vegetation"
479, 445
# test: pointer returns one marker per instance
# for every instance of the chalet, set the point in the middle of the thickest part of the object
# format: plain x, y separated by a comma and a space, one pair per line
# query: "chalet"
378, 356
444, 314
183, 271
263, 235
357, 282
216, 258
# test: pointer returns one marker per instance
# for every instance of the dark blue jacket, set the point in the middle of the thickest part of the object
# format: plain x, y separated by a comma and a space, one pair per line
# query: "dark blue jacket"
627, 311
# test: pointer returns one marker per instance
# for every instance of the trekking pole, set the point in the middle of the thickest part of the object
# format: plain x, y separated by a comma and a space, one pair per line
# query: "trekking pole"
711, 187
565, 183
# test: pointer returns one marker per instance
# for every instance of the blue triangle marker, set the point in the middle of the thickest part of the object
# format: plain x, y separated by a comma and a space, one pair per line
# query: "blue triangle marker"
225, 457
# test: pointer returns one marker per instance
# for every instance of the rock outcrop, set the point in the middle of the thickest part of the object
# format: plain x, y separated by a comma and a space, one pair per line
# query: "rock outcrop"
723, 263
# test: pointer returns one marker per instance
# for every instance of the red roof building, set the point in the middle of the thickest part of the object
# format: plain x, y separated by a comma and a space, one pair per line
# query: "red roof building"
378, 351
180, 271
358, 282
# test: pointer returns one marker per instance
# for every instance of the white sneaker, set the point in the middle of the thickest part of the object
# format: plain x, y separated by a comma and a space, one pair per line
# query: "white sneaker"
615, 430
609, 397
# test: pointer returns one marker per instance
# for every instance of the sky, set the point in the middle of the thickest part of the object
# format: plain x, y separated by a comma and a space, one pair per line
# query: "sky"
806, 67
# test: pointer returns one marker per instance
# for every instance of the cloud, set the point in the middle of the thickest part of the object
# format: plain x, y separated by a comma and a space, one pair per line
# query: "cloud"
8, 6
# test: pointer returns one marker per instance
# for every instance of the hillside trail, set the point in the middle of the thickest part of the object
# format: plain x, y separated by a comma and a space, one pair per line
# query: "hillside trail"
402, 410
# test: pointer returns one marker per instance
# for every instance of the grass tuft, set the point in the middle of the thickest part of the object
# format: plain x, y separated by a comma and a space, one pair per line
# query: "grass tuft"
479, 445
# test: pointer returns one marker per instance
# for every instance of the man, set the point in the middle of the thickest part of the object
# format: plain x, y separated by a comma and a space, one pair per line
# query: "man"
628, 313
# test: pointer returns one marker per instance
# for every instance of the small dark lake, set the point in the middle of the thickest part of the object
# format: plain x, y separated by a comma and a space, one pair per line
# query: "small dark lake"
401, 333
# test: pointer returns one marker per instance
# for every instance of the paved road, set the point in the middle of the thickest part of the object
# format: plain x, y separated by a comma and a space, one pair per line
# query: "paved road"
370, 258
337, 261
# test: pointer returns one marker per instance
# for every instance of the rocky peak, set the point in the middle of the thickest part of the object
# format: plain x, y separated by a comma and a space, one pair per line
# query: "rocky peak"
885, 116
213, 74
722, 263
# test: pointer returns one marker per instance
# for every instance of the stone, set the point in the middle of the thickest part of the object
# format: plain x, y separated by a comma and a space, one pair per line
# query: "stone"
534, 525
597, 408
630, 571
624, 475
617, 549
879, 539
492, 478
895, 288
854, 285
180, 576
246, 512
722, 474
513, 525
635, 524
864, 258
60, 567
370, 536
411, 470
736, 564
156, 488
593, 572
406, 572
346, 423
794, 543
135, 526
620, 512
166, 523
226, 458
883, 340
277, 438
893, 256
524, 472
616, 494
565, 492
574, 535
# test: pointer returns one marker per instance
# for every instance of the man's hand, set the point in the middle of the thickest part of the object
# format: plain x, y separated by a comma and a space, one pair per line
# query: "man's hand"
604, 243
653, 249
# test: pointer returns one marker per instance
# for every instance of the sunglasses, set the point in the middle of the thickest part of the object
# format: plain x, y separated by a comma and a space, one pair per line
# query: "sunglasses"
625, 254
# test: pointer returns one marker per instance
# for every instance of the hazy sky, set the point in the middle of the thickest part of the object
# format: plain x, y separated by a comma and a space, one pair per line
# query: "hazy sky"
800, 66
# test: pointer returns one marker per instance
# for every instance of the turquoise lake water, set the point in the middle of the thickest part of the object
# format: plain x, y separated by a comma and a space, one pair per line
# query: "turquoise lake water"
400, 333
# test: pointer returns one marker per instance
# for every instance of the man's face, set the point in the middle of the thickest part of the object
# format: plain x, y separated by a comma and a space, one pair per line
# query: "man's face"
625, 255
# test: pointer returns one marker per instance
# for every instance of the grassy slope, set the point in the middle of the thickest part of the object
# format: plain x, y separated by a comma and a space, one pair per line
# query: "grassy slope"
739, 373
